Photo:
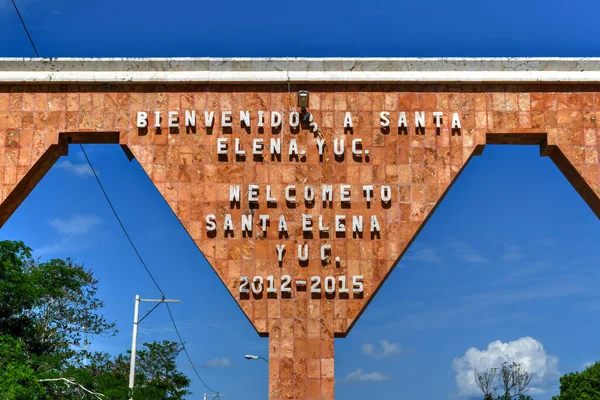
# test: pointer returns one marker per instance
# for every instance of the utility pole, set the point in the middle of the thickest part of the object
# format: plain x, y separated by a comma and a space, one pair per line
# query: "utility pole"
136, 322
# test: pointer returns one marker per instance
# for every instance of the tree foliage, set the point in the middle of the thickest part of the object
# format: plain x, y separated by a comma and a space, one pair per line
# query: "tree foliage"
47, 311
584, 385
47, 306
157, 376
18, 381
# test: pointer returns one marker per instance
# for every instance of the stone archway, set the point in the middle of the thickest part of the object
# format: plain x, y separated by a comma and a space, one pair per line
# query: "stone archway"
410, 168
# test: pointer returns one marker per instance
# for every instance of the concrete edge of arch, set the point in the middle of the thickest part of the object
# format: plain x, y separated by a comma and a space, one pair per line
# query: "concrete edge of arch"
299, 70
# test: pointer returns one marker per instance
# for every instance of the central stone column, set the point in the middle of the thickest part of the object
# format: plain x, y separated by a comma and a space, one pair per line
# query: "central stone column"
301, 360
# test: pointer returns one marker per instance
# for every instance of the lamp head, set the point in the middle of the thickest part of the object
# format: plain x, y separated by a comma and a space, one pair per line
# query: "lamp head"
303, 98
250, 357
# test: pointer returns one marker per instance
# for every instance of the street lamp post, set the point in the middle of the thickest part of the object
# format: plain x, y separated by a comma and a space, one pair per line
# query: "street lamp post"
253, 357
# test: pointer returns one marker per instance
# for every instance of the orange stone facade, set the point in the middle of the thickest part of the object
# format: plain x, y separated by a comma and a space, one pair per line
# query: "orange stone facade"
37, 122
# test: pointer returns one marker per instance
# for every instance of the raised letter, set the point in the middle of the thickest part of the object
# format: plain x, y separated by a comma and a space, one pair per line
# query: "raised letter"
302, 252
245, 118
275, 146
238, 151
419, 119
339, 223
386, 193
222, 145
348, 120
402, 120
253, 192
210, 222
368, 189
294, 119
293, 147
234, 192
324, 248
355, 149
226, 119
173, 119
327, 192
270, 199
438, 118
345, 192
275, 119
142, 119
455, 121
280, 248
357, 223
209, 118
306, 222
374, 224
247, 222
320, 145
384, 116
227, 223
309, 193
257, 147
263, 221
321, 227
282, 224
288, 197
190, 118
338, 151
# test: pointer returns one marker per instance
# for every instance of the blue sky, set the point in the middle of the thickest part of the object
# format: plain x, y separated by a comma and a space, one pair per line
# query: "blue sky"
505, 266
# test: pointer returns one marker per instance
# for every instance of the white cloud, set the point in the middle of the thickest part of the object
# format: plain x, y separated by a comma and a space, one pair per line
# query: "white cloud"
76, 225
156, 330
359, 376
77, 169
427, 254
587, 364
466, 252
513, 253
54, 248
217, 363
388, 349
526, 351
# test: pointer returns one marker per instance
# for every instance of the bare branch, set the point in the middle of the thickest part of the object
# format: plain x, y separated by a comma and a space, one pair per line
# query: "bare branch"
71, 382
485, 380
514, 380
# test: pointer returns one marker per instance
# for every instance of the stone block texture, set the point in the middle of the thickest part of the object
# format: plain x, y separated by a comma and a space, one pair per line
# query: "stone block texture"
38, 121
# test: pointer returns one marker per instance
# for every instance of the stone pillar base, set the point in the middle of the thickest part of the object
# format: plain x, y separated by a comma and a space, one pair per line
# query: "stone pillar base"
301, 364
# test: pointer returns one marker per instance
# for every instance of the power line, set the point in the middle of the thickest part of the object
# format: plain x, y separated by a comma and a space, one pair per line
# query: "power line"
186, 352
121, 223
147, 270
25, 27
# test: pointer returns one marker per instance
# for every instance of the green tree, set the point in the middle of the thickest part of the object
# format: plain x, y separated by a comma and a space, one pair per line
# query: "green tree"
157, 367
46, 309
157, 376
18, 381
47, 306
583, 385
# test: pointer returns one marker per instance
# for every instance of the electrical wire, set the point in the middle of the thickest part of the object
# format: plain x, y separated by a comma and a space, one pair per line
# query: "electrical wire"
148, 271
126, 233
25, 27
186, 352
121, 223
153, 308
